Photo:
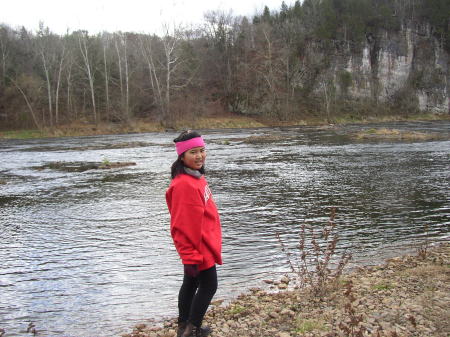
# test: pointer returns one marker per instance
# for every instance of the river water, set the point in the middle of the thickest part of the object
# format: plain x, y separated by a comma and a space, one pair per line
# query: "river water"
90, 254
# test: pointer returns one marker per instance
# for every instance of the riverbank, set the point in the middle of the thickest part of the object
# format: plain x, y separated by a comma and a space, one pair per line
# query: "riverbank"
408, 296
84, 128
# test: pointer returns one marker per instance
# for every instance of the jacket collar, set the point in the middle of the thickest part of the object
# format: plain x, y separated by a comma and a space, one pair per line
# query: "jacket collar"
192, 172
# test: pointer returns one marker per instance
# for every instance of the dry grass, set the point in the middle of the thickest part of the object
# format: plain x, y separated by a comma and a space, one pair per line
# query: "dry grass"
83, 128
395, 134
221, 121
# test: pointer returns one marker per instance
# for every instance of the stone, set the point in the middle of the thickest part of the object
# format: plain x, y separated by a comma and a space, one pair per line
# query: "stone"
217, 302
285, 280
287, 312
274, 315
284, 334
141, 327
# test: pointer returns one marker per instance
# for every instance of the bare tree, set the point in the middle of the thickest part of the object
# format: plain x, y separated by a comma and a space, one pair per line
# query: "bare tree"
269, 75
127, 79
58, 80
82, 42
266, 67
27, 101
4, 50
117, 40
4, 53
68, 79
169, 41
328, 89
52, 52
222, 30
146, 47
105, 41
121, 45
44, 50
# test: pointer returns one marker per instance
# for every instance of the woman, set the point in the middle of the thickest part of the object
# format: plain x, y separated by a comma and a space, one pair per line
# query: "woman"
196, 232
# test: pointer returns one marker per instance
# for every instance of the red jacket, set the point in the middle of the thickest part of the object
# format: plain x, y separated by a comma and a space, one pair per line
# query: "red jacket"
194, 221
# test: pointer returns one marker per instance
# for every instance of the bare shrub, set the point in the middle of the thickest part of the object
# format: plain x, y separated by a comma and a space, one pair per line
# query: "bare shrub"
422, 250
315, 266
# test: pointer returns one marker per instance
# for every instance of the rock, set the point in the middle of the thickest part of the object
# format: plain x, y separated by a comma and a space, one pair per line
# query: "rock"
284, 334
168, 334
230, 323
104, 166
141, 327
285, 280
287, 312
274, 315
217, 302
83, 166
282, 286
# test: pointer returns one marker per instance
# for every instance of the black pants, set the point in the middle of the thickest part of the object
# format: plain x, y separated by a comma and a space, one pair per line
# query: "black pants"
195, 296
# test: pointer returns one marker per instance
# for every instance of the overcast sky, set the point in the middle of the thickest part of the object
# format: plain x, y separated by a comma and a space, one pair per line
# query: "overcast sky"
126, 15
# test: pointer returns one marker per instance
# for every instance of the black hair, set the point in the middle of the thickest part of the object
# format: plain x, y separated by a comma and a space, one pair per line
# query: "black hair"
178, 165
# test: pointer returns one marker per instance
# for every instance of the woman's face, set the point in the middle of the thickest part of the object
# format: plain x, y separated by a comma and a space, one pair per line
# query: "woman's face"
194, 158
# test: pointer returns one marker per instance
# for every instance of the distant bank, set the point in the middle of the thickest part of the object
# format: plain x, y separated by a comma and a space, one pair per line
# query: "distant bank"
83, 128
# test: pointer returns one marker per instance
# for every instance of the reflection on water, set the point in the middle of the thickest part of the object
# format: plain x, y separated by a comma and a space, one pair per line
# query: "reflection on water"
89, 253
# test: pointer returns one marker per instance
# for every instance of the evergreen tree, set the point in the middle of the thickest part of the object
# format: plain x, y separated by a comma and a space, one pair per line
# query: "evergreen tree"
266, 15
297, 11
436, 12
284, 12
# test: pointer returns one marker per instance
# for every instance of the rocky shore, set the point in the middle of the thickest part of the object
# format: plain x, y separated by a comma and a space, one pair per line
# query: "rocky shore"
408, 296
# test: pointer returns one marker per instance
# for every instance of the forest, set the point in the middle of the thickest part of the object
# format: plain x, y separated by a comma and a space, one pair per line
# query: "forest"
274, 65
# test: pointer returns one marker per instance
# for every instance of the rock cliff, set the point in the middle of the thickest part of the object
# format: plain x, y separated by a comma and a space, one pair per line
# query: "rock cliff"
408, 69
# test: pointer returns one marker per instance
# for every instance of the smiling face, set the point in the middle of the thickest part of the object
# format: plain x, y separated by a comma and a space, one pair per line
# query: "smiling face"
194, 158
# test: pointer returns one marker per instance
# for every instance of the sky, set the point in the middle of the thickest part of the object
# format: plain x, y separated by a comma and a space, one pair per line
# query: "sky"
143, 16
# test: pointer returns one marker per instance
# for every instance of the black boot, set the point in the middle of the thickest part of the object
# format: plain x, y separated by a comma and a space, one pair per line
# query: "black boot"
193, 331
181, 328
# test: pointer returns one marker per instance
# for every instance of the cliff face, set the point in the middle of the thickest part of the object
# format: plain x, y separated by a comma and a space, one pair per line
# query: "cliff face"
406, 69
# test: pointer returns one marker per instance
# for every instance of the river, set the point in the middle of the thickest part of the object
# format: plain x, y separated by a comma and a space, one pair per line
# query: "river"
89, 253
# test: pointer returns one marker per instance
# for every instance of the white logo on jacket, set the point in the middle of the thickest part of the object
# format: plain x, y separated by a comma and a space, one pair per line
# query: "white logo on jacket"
207, 194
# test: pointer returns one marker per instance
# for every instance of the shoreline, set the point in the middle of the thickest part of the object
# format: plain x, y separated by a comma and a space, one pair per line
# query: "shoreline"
83, 128
406, 296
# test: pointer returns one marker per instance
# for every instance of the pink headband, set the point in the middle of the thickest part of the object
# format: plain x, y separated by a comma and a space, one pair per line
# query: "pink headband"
189, 144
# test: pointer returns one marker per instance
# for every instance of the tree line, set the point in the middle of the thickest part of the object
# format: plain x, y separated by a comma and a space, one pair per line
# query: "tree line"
230, 63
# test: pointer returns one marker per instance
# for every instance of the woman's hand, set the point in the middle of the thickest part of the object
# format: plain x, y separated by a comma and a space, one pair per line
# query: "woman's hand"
191, 270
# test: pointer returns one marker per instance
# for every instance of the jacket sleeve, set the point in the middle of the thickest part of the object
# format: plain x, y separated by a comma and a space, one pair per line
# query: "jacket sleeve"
187, 211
